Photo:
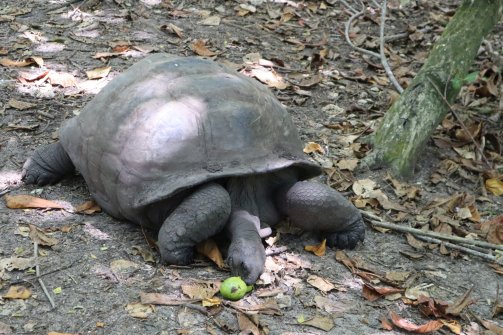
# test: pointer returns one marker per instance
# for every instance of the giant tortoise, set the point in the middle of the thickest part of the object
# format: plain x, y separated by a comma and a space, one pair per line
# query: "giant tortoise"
189, 147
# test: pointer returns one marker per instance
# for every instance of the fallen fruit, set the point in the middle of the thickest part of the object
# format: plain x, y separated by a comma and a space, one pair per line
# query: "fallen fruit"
234, 288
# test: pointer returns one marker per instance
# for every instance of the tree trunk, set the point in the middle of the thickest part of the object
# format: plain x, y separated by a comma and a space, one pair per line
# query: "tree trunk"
411, 120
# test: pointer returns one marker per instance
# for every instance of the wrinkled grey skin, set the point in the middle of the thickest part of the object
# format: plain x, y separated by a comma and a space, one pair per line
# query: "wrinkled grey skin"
190, 148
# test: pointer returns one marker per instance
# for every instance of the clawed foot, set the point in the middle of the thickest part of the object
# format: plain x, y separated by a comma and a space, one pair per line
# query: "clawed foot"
177, 256
349, 238
34, 173
246, 259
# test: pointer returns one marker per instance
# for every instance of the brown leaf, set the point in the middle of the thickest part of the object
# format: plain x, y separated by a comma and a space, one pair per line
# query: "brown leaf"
319, 322
201, 291
428, 327
320, 283
457, 307
17, 292
40, 237
174, 29
385, 324
414, 242
269, 77
88, 207
210, 249
347, 164
21, 105
199, 47
313, 147
495, 186
311, 81
318, 250
62, 79
28, 201
163, 299
373, 293
495, 328
432, 307
16, 263
494, 229
108, 54
99, 72
139, 310
246, 326
11, 63
269, 307
145, 253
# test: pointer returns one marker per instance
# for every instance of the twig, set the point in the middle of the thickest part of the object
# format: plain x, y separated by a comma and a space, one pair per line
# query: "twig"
459, 120
50, 116
37, 272
384, 61
348, 6
43, 274
463, 249
198, 308
348, 40
451, 238
275, 251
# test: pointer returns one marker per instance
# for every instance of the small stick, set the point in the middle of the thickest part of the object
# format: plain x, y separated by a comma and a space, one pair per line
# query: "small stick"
348, 40
275, 251
384, 61
37, 272
47, 115
463, 249
415, 231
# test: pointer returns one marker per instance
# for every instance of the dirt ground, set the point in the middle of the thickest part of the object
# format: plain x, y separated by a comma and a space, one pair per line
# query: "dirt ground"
99, 267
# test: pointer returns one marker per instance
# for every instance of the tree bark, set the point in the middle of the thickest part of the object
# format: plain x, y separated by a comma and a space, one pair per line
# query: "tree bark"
411, 120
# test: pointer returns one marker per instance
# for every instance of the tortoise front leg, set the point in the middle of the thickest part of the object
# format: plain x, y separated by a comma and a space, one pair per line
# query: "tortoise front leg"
199, 216
316, 207
48, 165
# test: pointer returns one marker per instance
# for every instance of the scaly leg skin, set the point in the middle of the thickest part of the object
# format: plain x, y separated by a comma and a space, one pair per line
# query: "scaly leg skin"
48, 165
199, 216
316, 207
246, 254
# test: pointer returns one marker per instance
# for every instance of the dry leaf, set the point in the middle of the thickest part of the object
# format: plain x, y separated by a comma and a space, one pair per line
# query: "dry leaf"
11, 63
318, 250
28, 201
139, 310
319, 322
58, 333
453, 325
163, 299
199, 47
201, 291
320, 283
174, 29
210, 249
269, 77
347, 164
269, 307
457, 307
373, 293
213, 20
21, 105
495, 186
313, 147
16, 263
428, 327
99, 72
246, 326
311, 81
62, 79
494, 229
145, 253
88, 207
108, 54
17, 292
210, 302
38, 236
493, 327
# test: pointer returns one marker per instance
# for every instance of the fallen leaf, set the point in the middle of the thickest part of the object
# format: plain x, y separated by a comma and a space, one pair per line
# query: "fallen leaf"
5, 329
28, 201
432, 307
58, 333
108, 54
373, 293
210, 249
386, 324
494, 229
99, 72
11, 63
17, 292
246, 326
453, 325
199, 47
495, 186
88, 207
174, 29
428, 327
21, 105
457, 306
213, 20
16, 263
320, 283
318, 250
62, 79
347, 164
145, 253
268, 77
38, 236
313, 147
210, 302
163, 299
139, 310
319, 322
122, 266
310, 81
269, 307
492, 326
201, 291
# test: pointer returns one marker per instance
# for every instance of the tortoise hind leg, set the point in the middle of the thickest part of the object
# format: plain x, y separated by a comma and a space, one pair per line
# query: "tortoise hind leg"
316, 207
48, 165
199, 216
